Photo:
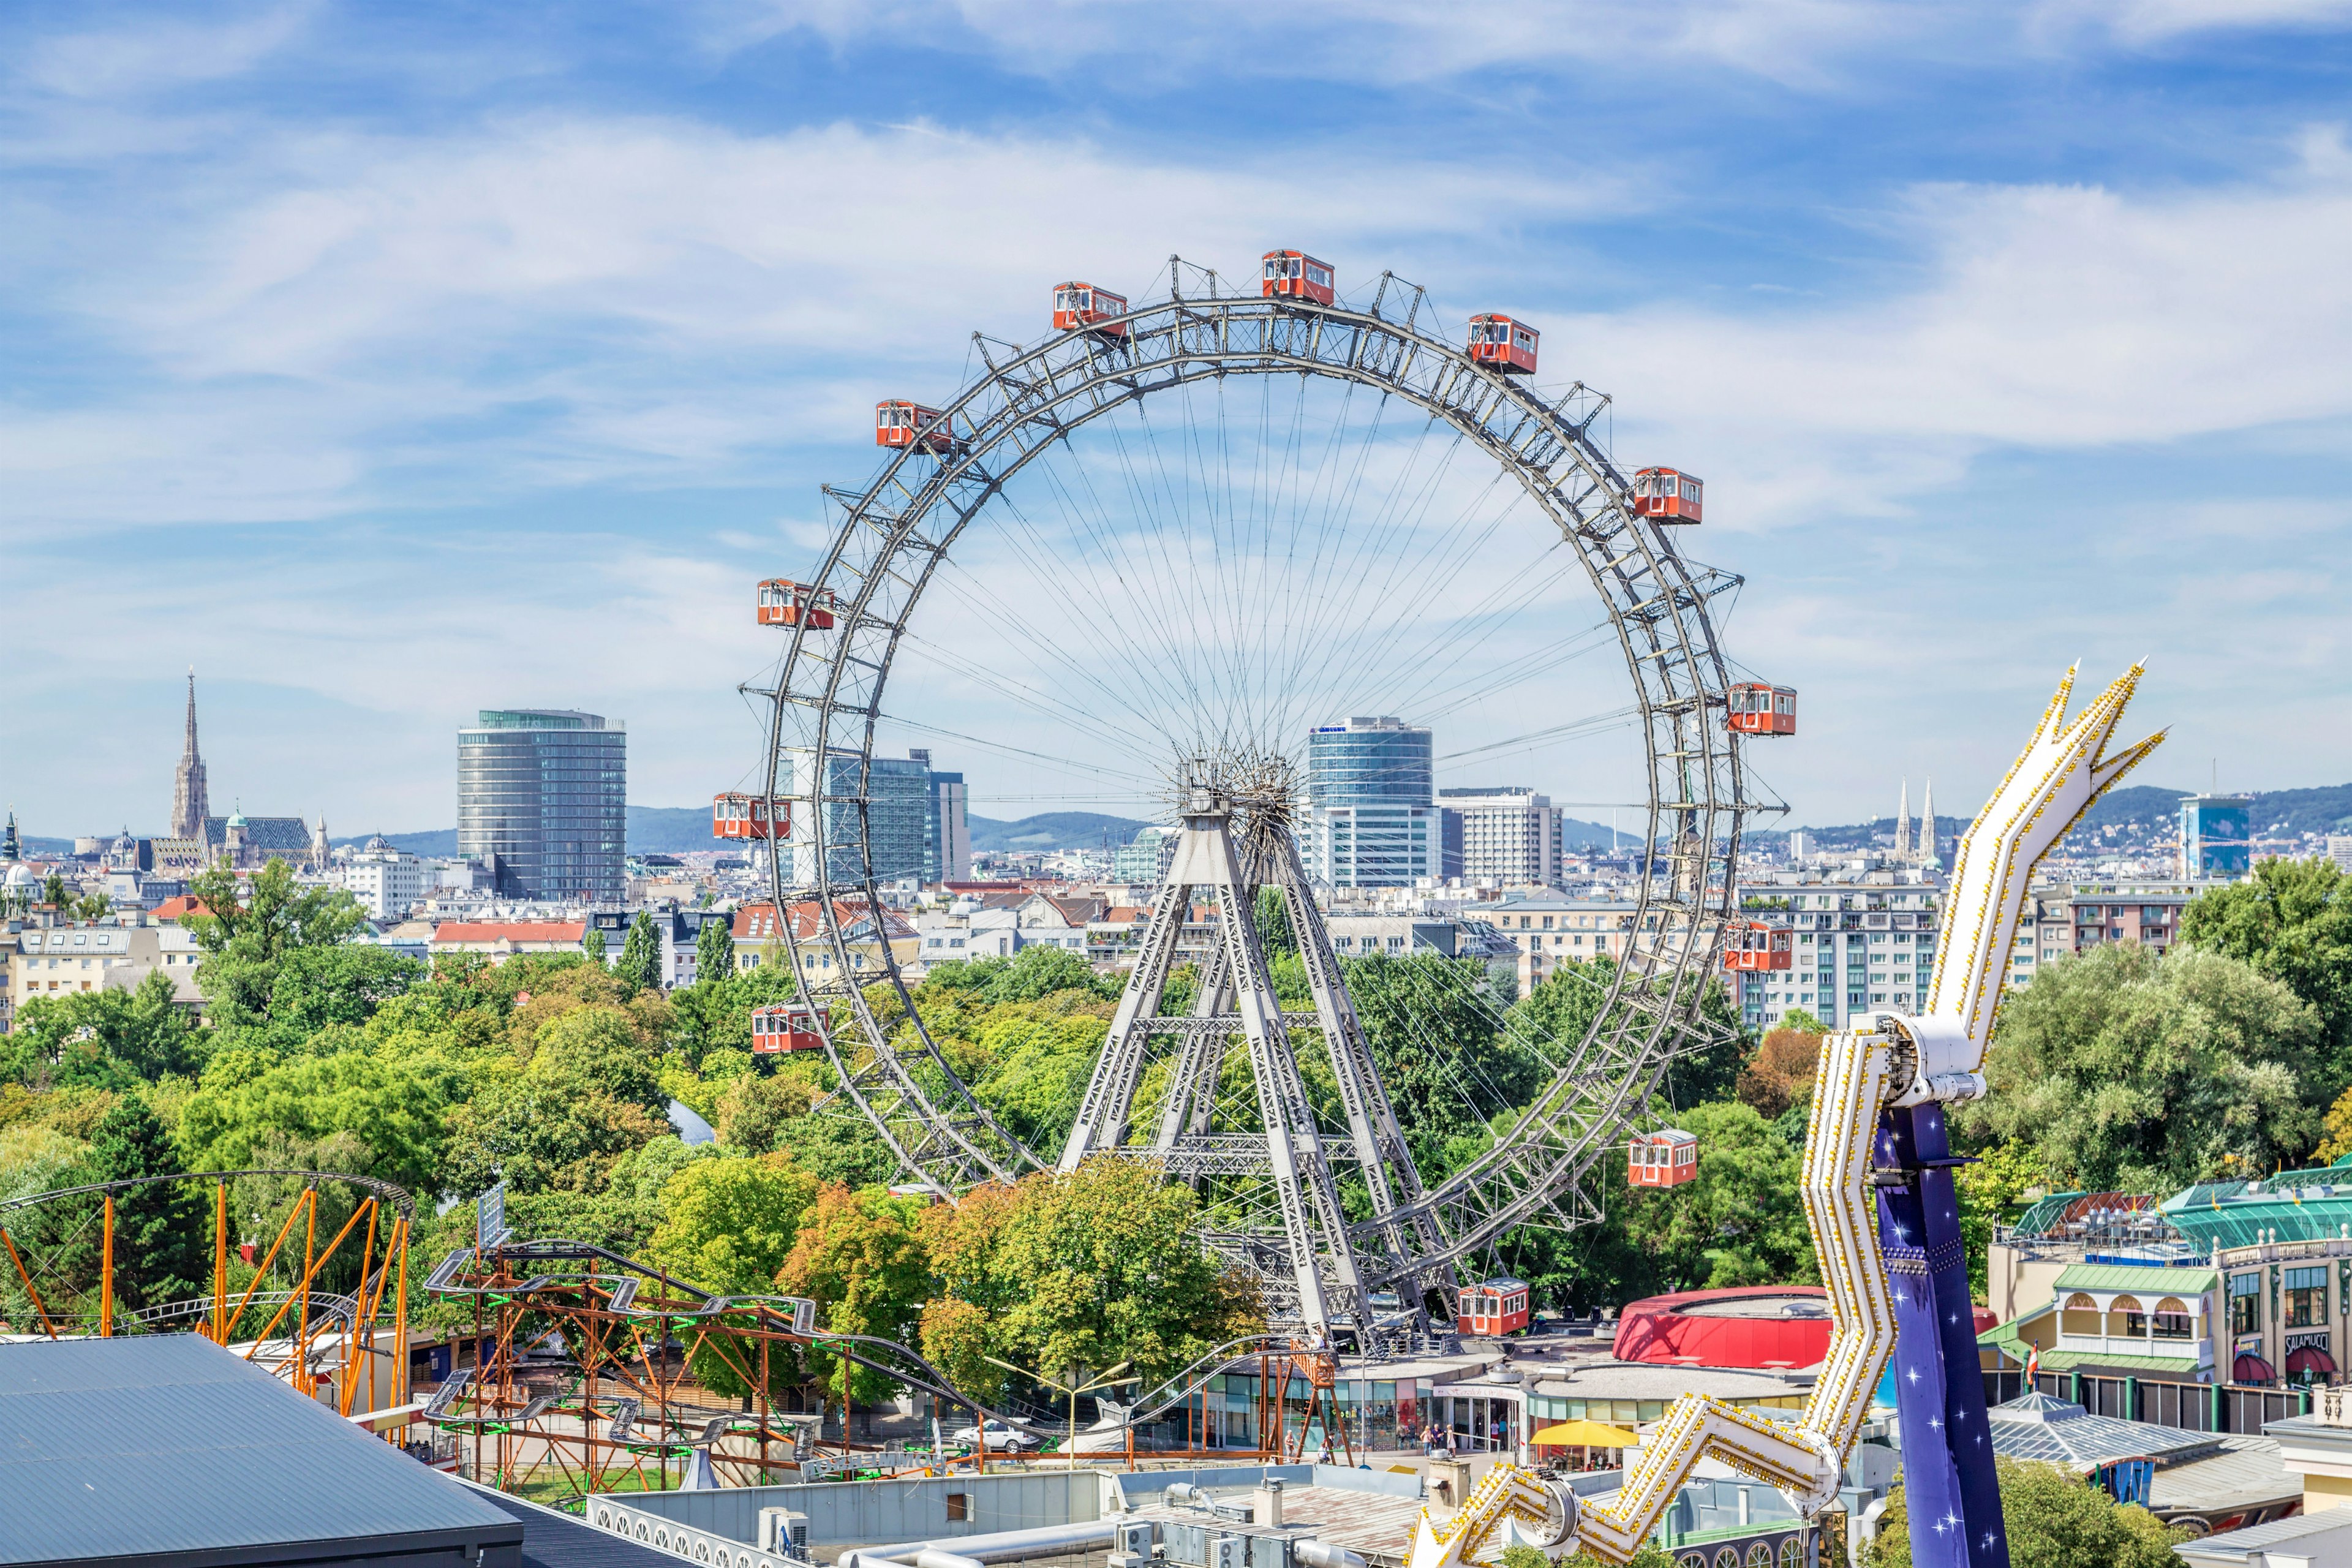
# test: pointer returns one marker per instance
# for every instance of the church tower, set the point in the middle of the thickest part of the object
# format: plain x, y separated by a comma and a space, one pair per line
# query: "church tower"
189, 806
1903, 825
1928, 827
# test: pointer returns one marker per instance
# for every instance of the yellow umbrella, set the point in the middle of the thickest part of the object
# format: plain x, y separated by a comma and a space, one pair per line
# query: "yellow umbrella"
1586, 1434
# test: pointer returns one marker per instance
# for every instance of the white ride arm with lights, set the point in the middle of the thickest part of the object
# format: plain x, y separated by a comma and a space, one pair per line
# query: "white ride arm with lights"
1896, 1060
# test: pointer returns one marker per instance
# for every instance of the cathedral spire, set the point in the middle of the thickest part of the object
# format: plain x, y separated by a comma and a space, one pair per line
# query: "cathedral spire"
189, 806
1903, 823
1927, 826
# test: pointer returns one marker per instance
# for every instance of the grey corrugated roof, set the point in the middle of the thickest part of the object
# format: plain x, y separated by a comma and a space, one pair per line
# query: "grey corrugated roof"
2057, 1432
2244, 1546
166, 1443
553, 1540
2247, 1475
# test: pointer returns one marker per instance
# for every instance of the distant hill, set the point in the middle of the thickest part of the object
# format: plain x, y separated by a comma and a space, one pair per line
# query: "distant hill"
1055, 830
1577, 835
653, 830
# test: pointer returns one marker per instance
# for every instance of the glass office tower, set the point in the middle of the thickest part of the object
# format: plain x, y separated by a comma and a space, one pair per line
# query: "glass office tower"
898, 818
2216, 837
1371, 819
542, 802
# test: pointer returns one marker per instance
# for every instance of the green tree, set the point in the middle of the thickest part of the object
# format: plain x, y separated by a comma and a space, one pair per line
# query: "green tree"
1091, 1268
756, 1107
729, 1226
1270, 915
1988, 1191
1030, 975
592, 944
1742, 1220
590, 1093
246, 943
93, 907
53, 891
109, 1038
640, 965
392, 1113
160, 1244
2054, 1521
1559, 1013
2291, 921
1431, 1023
714, 951
2125, 1071
860, 1258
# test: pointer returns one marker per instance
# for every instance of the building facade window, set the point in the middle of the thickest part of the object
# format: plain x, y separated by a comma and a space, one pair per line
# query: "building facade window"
2307, 1298
2245, 1303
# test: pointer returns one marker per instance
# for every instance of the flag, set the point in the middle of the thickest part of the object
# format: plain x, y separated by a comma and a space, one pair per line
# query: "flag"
2032, 1365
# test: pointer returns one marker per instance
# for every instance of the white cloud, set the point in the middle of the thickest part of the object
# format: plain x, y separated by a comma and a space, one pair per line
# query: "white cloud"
128, 61
2045, 318
2146, 22
1385, 41
614, 300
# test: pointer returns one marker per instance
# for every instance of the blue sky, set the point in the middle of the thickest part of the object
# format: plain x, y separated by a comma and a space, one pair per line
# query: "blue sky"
389, 362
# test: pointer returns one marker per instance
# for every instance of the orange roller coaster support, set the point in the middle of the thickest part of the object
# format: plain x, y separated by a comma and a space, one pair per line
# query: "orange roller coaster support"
263, 1272
363, 1312
106, 1278
302, 1291
26, 1275
220, 1263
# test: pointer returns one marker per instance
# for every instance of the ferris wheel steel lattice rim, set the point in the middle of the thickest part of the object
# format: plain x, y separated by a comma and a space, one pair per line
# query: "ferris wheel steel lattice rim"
892, 537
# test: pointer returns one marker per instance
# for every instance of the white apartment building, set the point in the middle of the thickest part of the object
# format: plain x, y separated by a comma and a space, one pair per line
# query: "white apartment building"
1504, 837
1854, 946
65, 960
389, 883
1550, 931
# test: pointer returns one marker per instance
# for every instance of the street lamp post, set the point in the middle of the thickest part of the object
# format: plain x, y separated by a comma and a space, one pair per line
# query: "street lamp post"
1073, 1388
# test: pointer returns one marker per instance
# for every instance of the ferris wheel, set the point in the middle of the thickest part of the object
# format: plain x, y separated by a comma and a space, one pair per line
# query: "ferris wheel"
1138, 561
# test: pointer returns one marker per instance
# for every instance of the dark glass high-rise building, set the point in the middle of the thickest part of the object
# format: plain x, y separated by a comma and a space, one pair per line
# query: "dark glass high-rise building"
542, 797
1371, 819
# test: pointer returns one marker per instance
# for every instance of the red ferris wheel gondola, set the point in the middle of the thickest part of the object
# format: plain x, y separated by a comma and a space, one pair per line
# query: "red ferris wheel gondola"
1079, 305
1761, 708
735, 814
1666, 1158
1295, 275
784, 603
1507, 344
1667, 495
898, 423
786, 1026
1751, 947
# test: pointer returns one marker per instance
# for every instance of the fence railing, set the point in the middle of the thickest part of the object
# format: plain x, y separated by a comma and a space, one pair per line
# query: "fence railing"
2161, 1402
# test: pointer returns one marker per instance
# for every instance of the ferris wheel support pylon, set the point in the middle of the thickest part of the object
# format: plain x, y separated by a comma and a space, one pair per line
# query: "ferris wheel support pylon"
1314, 1226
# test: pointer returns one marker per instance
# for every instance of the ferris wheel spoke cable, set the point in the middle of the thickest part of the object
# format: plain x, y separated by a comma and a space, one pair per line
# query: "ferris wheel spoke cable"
1045, 560
1420, 700
1347, 651
1165, 618
1453, 558
1061, 708
1337, 630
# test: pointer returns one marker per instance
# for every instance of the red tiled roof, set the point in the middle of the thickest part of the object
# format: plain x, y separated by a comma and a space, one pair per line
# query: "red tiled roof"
173, 909
757, 922
509, 930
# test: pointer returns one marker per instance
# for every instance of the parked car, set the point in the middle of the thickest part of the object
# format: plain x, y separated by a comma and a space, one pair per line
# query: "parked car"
1010, 1439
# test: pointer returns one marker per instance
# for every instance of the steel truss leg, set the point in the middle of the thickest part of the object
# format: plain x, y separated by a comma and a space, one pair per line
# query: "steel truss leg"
1305, 1194
1192, 1100
1381, 1147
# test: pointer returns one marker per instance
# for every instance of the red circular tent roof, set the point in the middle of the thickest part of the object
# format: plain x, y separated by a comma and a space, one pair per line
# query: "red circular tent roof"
1749, 1326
